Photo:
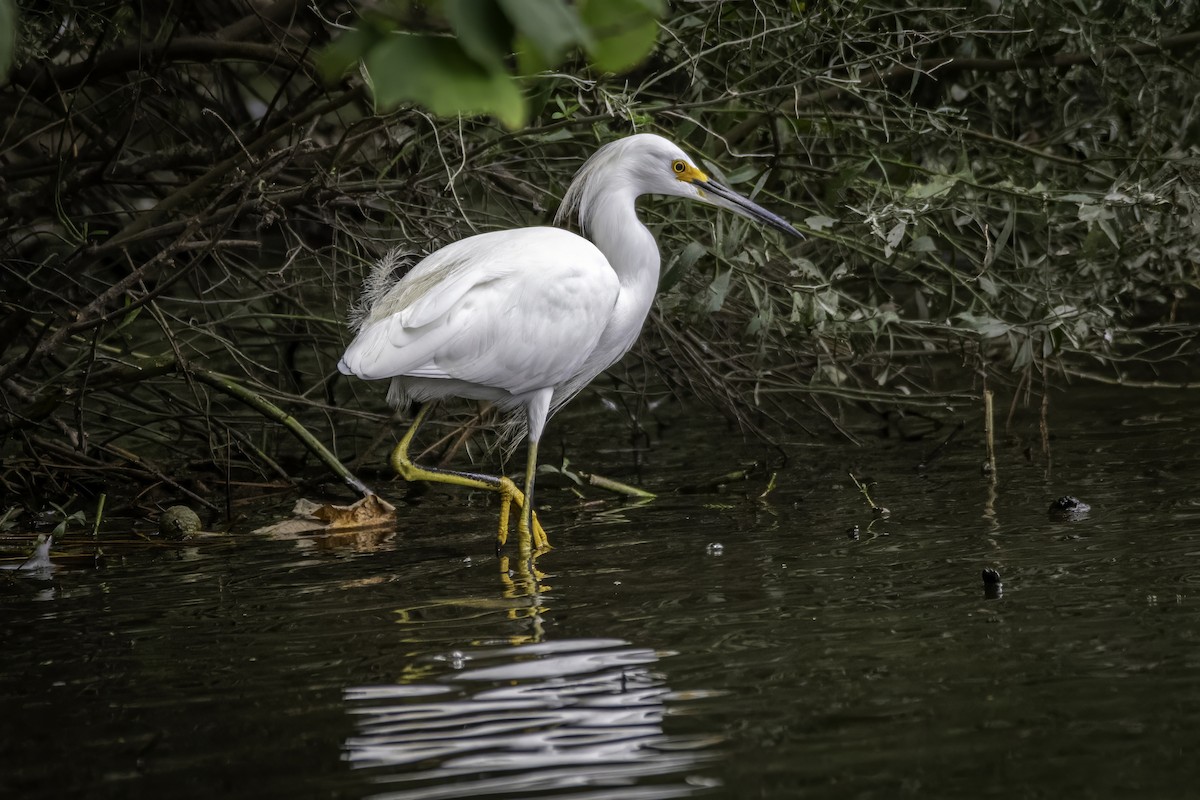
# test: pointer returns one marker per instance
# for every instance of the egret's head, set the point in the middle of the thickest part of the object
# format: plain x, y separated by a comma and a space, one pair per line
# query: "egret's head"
646, 163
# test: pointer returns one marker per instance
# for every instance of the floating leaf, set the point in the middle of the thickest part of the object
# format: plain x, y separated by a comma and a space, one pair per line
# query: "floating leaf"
310, 518
370, 511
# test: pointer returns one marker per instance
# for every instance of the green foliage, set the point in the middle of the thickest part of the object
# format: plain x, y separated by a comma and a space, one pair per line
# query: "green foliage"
438, 74
8, 36
623, 31
1025, 217
468, 68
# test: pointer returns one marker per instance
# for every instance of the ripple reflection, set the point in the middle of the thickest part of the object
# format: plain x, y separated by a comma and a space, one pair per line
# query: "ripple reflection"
575, 718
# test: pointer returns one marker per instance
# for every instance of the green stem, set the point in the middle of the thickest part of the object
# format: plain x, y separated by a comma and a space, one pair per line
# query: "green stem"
614, 486
225, 384
99, 514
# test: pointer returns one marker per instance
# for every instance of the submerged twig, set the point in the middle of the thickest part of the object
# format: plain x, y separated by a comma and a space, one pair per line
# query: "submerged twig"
989, 432
880, 512
615, 486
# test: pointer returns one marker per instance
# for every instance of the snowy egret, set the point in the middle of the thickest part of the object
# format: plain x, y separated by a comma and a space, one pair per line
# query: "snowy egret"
525, 318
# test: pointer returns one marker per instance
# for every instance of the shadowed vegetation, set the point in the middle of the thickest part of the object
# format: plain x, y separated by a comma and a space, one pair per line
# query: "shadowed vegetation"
1000, 193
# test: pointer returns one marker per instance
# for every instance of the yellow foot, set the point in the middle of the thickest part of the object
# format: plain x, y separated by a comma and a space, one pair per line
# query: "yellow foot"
510, 494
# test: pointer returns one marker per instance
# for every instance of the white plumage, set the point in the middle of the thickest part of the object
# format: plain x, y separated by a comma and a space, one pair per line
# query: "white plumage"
530, 320
526, 318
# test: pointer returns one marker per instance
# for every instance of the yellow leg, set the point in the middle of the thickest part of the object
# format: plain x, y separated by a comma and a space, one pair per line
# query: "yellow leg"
528, 522
509, 493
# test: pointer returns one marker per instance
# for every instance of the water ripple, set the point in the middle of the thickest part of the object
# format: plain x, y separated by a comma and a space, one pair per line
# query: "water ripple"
583, 716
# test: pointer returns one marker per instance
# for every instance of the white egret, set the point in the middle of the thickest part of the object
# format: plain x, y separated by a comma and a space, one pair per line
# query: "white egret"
525, 318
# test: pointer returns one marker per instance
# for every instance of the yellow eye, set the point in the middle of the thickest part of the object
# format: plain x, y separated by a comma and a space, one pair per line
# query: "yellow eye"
685, 172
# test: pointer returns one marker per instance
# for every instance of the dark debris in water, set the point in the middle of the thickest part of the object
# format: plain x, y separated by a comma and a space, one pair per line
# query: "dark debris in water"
178, 522
1069, 508
26, 551
992, 586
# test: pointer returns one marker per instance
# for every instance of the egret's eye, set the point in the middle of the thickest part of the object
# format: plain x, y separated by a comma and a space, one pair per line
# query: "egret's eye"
679, 166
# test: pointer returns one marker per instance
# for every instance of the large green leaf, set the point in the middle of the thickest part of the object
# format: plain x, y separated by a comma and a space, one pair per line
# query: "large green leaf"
8, 35
434, 72
483, 31
529, 58
345, 51
552, 27
624, 31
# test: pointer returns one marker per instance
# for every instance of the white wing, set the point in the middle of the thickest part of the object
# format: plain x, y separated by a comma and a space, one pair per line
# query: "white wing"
515, 310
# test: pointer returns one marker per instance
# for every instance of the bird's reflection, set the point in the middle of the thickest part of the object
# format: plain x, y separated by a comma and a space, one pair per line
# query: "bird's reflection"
581, 716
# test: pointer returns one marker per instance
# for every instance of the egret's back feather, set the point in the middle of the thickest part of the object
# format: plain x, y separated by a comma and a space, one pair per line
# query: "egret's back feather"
382, 277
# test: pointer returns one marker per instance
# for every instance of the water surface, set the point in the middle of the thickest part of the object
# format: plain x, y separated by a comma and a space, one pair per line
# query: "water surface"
709, 644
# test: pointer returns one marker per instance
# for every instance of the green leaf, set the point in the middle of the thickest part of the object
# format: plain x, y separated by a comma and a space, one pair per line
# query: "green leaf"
741, 174
346, 51
717, 291
692, 253
624, 31
8, 35
1109, 231
434, 72
987, 327
893, 238
804, 268
687, 259
550, 27
1024, 355
938, 185
529, 60
922, 244
819, 222
483, 32
1094, 213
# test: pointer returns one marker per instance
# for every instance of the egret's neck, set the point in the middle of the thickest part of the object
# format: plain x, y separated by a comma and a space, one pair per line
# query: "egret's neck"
613, 226
605, 202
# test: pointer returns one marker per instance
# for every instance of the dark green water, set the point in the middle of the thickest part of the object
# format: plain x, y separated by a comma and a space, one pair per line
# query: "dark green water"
643, 661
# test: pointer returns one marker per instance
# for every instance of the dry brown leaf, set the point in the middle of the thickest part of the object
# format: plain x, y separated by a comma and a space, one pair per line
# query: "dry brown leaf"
369, 512
313, 518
